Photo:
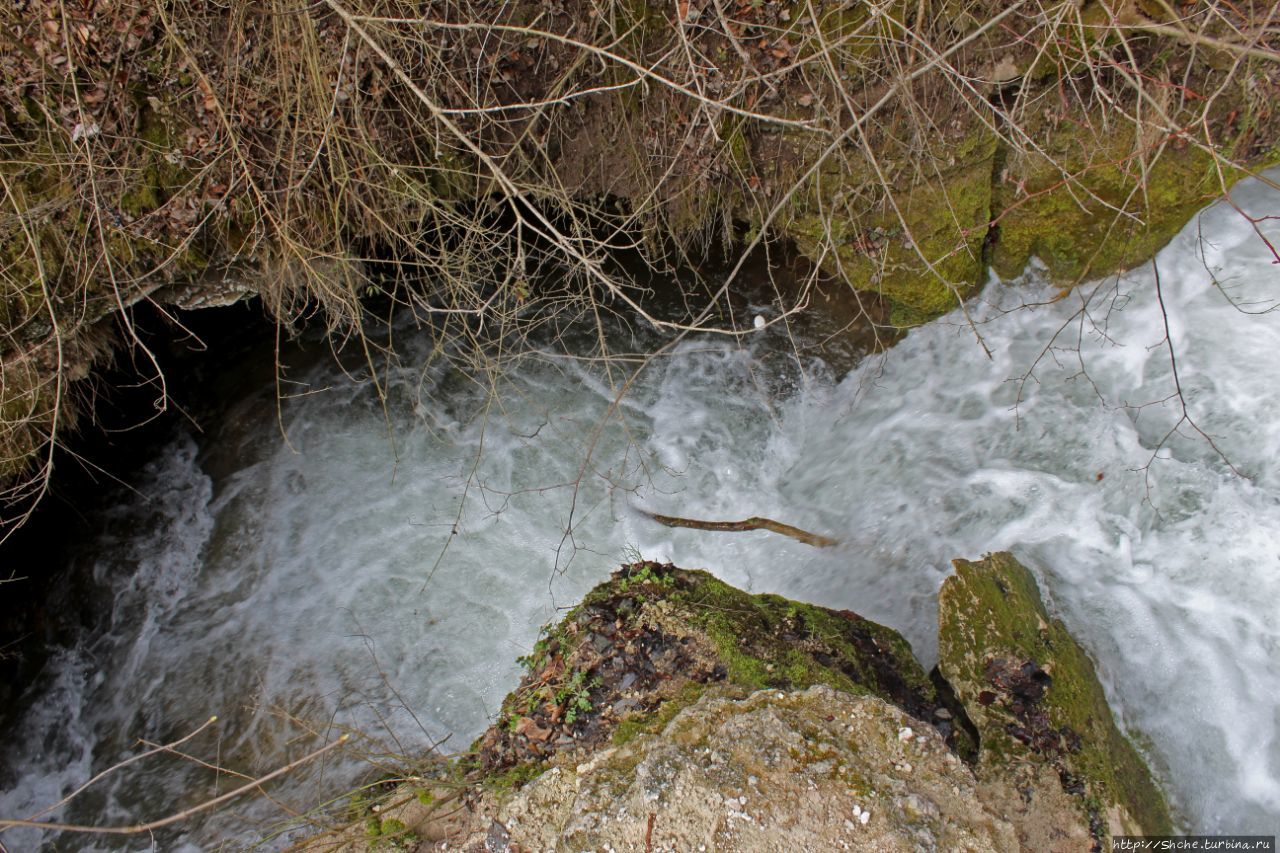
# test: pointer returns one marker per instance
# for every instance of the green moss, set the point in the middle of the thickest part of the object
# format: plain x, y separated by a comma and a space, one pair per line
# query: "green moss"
62, 254
767, 641
921, 257
21, 295
389, 835
513, 778
25, 412
64, 227
143, 198
1032, 692
1087, 207
159, 177
656, 720
28, 400
1091, 200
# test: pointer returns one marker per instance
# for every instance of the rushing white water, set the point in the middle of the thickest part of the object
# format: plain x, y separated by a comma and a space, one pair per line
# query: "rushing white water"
321, 579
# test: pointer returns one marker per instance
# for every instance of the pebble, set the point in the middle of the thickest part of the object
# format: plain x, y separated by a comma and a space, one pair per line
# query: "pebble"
759, 322
864, 817
905, 733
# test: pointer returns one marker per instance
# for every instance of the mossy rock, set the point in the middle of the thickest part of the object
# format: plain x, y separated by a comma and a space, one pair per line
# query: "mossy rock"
658, 658
921, 250
655, 638
1091, 198
1035, 699
1097, 200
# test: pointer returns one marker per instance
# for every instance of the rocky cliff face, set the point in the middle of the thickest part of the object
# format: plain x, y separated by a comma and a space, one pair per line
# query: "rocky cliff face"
672, 712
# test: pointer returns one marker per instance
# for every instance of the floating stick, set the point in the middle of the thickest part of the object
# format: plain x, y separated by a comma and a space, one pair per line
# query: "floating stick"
755, 522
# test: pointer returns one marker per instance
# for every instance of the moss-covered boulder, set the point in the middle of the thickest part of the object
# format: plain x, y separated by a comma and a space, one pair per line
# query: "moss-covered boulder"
654, 638
912, 237
1088, 199
670, 710
1093, 200
1041, 714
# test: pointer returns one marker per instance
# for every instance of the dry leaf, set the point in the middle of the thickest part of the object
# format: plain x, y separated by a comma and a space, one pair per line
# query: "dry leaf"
530, 729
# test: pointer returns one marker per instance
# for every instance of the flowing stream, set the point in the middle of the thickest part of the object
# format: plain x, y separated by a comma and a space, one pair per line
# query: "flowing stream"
382, 570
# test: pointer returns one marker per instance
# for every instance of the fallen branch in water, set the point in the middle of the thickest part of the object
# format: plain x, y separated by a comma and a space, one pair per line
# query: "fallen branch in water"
755, 522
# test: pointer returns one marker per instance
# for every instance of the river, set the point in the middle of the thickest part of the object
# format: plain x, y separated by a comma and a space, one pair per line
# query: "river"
380, 569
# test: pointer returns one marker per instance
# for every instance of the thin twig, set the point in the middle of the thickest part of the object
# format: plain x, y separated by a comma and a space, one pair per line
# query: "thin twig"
151, 826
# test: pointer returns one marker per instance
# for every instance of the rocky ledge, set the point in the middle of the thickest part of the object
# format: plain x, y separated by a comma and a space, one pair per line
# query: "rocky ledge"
670, 711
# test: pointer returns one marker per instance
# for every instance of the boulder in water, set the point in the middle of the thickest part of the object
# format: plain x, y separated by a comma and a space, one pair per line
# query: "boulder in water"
1047, 732
672, 711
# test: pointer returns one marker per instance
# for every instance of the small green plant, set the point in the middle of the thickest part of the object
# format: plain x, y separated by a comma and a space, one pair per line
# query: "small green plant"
538, 656
575, 695
643, 575
515, 777
358, 805
390, 835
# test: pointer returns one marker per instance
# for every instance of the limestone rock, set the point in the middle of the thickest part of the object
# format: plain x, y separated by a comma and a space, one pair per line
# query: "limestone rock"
653, 638
812, 770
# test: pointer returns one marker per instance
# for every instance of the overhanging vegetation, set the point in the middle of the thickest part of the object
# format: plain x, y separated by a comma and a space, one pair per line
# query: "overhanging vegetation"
479, 162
